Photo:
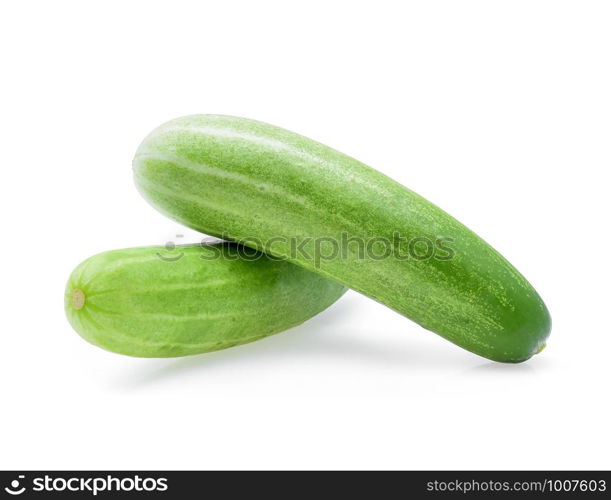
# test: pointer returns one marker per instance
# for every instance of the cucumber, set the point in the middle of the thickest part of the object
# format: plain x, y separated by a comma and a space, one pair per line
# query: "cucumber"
149, 302
280, 192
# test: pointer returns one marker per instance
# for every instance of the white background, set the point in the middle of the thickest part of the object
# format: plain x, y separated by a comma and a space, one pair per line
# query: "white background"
499, 112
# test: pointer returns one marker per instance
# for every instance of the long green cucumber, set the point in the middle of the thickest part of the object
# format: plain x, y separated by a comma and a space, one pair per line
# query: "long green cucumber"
280, 192
149, 302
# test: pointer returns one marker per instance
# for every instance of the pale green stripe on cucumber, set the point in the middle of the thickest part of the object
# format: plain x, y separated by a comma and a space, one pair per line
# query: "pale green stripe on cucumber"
150, 302
242, 179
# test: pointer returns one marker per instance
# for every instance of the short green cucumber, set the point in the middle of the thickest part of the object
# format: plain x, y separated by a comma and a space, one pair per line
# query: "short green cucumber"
150, 302
280, 192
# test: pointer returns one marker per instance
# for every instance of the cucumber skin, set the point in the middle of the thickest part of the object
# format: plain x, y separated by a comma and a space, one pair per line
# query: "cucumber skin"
239, 179
140, 305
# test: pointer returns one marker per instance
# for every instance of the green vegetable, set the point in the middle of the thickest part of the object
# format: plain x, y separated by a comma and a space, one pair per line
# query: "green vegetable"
273, 190
150, 302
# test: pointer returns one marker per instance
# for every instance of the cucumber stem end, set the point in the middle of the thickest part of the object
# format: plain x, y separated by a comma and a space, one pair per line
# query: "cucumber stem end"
541, 347
78, 299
